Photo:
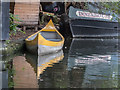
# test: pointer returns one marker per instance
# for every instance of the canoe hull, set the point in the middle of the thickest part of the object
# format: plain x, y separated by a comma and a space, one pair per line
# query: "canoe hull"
42, 49
45, 41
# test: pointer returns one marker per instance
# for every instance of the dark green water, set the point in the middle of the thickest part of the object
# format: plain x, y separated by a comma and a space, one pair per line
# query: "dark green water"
87, 63
83, 63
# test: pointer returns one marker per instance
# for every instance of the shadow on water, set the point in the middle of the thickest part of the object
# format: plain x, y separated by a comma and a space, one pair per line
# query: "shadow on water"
83, 63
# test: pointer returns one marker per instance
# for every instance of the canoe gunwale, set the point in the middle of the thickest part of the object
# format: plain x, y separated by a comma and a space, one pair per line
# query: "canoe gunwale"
44, 29
41, 44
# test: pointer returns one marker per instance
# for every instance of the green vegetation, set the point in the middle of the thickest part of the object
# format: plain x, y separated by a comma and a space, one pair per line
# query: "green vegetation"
13, 26
45, 17
110, 7
11, 73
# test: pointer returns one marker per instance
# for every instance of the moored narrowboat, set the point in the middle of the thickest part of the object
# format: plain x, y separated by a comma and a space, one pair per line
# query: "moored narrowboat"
87, 24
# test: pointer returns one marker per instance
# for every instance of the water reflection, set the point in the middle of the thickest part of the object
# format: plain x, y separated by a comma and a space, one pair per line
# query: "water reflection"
41, 63
48, 61
99, 58
87, 63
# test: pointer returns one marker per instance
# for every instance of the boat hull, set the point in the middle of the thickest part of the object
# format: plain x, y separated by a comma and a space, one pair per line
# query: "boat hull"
93, 28
42, 49
88, 26
45, 41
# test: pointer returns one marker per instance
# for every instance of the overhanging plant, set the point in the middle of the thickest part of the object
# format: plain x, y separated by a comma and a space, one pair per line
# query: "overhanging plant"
13, 26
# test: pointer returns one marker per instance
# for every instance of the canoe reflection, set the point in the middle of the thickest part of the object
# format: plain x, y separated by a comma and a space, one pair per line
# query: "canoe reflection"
48, 61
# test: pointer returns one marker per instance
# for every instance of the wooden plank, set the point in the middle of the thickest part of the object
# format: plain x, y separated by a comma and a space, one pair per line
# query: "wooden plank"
34, 22
20, 13
28, 16
27, 12
23, 18
27, 9
27, 6
24, 4
29, 20
27, 1
28, 23
33, 19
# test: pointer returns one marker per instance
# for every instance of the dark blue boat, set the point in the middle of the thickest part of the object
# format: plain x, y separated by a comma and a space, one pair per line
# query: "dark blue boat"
86, 24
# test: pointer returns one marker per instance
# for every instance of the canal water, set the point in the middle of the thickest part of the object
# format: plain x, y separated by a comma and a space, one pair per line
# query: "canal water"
83, 63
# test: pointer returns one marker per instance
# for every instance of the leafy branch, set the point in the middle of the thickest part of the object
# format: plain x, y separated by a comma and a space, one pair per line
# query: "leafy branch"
13, 26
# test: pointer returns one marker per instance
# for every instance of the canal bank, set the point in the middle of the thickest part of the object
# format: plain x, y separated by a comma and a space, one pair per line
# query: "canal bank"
9, 49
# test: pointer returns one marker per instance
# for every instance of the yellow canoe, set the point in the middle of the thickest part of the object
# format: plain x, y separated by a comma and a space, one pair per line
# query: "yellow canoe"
47, 40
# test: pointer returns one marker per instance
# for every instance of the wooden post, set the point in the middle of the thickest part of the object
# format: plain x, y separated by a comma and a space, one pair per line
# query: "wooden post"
24, 28
36, 28
65, 6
